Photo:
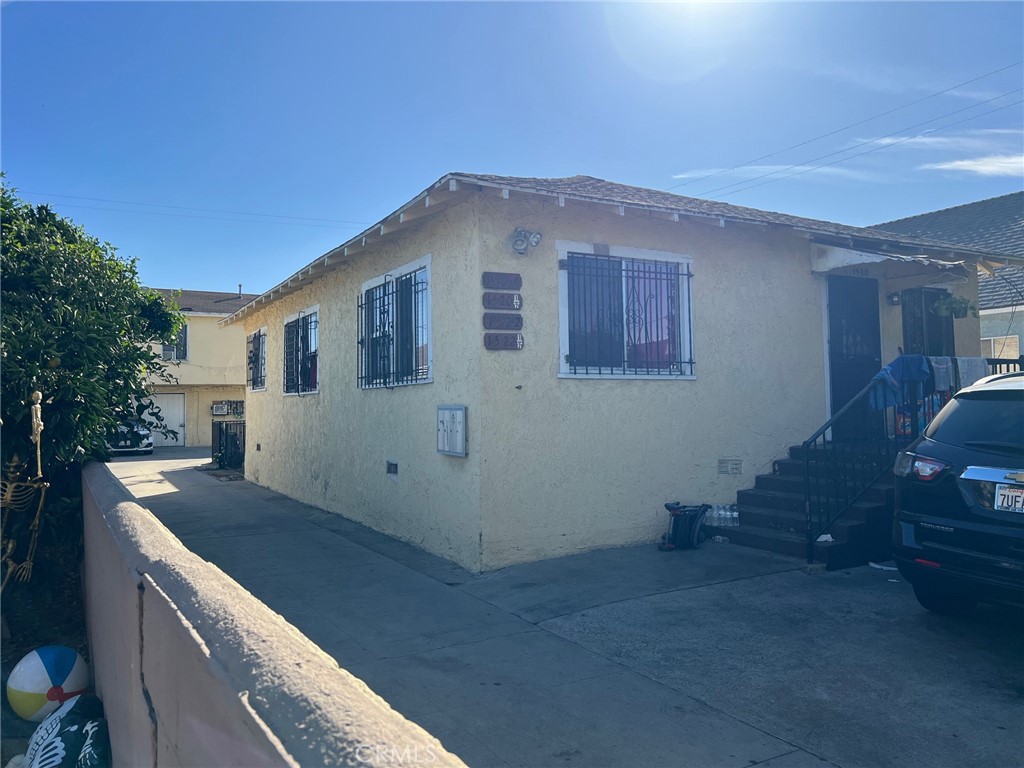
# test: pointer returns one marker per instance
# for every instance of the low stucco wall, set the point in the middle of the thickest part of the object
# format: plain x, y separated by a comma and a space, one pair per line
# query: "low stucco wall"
193, 670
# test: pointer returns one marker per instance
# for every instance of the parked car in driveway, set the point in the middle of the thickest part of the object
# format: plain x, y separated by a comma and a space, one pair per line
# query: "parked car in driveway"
959, 520
130, 437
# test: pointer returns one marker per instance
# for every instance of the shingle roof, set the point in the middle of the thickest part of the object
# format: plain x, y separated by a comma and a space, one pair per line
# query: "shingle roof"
995, 224
207, 301
609, 191
1004, 288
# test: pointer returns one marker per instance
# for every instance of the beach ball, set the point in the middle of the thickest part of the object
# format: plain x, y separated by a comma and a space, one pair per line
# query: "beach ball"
44, 679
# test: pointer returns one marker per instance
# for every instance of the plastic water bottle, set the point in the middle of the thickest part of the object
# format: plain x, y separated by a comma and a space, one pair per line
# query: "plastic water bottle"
734, 515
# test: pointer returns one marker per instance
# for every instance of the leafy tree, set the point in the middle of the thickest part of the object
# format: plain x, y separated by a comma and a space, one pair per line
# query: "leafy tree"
77, 326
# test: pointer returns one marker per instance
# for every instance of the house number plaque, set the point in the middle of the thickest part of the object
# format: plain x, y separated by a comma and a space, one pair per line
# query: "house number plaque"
497, 321
510, 301
503, 281
497, 341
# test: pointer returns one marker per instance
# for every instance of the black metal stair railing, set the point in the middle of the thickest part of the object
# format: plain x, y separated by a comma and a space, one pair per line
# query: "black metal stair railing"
229, 444
848, 454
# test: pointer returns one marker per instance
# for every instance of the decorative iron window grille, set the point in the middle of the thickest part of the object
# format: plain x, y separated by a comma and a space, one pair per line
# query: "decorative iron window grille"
256, 359
178, 350
394, 331
301, 345
628, 317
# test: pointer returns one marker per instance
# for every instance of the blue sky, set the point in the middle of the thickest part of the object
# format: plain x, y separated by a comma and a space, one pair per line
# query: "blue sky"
340, 112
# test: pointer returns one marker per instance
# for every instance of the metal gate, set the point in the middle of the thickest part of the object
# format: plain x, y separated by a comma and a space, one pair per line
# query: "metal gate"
229, 444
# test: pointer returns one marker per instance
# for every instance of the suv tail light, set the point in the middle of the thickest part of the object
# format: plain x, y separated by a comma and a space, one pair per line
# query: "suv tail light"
919, 467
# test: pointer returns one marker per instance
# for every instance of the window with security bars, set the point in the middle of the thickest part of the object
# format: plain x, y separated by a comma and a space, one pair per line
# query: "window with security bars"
627, 317
256, 359
178, 350
394, 331
301, 344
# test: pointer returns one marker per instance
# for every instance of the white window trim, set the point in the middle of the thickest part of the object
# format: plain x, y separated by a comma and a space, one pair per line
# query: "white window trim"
1001, 340
564, 248
249, 387
296, 316
423, 262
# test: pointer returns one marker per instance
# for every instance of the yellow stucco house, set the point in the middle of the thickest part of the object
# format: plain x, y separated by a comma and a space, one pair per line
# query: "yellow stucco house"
208, 364
506, 369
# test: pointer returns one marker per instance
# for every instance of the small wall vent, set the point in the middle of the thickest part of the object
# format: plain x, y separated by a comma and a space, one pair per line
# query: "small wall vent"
730, 466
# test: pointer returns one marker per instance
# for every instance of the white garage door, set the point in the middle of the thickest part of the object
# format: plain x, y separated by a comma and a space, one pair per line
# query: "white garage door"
172, 408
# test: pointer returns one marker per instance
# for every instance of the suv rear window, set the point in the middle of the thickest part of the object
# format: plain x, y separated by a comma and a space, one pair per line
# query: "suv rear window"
989, 417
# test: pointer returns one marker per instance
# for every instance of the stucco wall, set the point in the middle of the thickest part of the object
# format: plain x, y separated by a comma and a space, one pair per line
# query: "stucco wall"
571, 464
216, 353
556, 465
193, 670
893, 278
1003, 322
330, 449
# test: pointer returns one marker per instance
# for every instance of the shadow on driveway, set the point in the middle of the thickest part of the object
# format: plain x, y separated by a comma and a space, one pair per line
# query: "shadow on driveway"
723, 656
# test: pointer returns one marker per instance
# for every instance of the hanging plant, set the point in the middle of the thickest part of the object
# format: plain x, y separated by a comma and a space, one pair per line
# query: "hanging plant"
957, 306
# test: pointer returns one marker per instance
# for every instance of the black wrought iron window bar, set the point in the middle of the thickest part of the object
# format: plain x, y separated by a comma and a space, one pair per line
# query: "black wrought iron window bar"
394, 332
256, 360
628, 317
301, 347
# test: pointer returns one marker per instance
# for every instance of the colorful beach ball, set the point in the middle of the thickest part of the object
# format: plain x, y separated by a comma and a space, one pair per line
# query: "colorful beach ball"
45, 679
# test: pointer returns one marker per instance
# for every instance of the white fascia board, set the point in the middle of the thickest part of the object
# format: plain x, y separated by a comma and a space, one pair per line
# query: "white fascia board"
829, 257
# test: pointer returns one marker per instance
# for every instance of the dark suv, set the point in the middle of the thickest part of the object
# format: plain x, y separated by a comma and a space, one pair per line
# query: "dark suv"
959, 524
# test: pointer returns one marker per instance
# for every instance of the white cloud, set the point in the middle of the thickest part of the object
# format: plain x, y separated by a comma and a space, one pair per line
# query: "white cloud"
991, 140
747, 172
990, 165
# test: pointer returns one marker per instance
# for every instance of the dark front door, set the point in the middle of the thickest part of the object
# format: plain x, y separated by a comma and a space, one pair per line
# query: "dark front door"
924, 331
854, 337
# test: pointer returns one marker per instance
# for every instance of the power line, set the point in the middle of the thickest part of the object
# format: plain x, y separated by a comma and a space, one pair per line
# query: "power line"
865, 143
847, 127
209, 218
873, 149
205, 210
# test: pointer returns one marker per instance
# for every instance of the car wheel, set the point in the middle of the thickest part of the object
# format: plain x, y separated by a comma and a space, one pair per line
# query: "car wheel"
946, 603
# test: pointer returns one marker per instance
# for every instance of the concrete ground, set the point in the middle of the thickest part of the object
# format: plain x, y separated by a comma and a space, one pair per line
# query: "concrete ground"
722, 656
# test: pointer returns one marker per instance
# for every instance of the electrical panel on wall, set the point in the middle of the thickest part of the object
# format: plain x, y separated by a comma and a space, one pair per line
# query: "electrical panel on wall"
451, 430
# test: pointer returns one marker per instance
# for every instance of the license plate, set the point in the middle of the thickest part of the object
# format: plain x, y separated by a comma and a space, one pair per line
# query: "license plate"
1010, 498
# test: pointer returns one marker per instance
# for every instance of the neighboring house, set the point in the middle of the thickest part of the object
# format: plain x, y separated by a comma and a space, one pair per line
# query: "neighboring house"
506, 369
995, 224
211, 367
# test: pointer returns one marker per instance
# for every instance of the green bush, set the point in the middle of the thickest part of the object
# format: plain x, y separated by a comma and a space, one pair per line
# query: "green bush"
77, 326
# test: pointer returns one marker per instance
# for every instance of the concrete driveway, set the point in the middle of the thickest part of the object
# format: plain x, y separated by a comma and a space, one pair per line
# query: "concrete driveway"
627, 657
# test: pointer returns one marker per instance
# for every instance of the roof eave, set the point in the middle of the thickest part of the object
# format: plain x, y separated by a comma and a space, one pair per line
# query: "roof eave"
454, 183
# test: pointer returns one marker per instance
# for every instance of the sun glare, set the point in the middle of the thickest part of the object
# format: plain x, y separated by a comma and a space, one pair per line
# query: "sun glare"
678, 41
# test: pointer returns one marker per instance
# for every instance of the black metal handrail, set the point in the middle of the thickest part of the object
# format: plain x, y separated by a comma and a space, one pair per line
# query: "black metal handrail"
850, 452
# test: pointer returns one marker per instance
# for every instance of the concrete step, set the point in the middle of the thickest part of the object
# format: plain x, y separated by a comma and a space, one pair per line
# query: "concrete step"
796, 522
786, 501
834, 555
881, 492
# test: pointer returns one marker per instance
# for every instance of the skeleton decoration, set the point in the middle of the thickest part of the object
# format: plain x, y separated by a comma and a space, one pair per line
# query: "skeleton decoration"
21, 498
37, 429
